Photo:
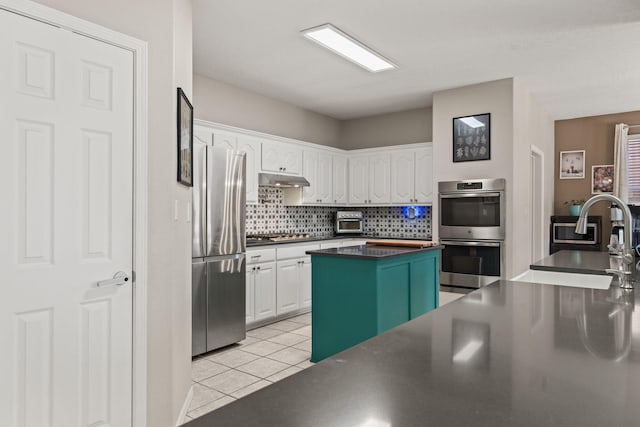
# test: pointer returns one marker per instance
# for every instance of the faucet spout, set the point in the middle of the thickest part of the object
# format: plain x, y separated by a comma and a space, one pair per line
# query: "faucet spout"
625, 279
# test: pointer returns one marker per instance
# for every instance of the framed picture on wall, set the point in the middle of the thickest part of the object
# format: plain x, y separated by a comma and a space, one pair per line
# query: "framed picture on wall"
185, 140
472, 138
572, 164
601, 179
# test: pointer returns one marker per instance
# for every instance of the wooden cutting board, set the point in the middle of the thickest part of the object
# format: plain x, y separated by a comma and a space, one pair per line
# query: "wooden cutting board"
403, 243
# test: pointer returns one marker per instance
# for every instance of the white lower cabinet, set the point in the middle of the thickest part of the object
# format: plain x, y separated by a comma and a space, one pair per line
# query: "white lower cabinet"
288, 286
305, 282
265, 291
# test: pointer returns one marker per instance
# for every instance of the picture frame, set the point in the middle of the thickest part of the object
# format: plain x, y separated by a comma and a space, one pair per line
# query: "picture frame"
472, 138
602, 177
572, 164
185, 139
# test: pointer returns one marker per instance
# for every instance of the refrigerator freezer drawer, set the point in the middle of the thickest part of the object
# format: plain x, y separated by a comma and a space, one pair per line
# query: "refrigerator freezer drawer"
199, 308
226, 305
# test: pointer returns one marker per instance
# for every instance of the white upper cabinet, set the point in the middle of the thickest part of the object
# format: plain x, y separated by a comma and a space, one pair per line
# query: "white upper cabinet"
310, 172
317, 168
424, 175
402, 176
281, 157
225, 139
340, 179
359, 179
325, 177
252, 147
203, 134
412, 176
380, 178
370, 179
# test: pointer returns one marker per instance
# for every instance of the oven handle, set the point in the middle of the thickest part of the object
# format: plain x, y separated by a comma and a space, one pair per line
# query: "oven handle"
460, 195
457, 243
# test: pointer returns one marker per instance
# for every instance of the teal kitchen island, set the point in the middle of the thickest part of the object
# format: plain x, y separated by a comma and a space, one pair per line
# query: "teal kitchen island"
359, 292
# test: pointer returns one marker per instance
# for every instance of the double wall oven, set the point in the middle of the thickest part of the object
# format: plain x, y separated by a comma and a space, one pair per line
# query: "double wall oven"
472, 230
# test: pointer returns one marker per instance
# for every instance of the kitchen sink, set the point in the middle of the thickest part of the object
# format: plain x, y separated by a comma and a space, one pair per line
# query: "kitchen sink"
591, 281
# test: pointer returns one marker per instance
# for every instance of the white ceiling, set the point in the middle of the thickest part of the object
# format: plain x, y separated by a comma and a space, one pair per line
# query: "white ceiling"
577, 57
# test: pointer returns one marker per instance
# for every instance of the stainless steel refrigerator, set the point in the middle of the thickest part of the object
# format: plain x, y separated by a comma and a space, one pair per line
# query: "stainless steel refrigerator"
218, 284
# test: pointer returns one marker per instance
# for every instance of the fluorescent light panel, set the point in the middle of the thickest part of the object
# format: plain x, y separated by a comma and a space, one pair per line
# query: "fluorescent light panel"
349, 48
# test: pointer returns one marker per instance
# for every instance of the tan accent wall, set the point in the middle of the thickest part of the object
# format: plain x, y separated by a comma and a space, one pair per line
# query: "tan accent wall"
594, 135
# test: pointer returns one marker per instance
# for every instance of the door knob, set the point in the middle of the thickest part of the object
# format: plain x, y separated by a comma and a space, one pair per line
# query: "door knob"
120, 278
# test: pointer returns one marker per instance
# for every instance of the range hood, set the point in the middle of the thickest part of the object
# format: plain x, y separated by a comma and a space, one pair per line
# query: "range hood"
276, 180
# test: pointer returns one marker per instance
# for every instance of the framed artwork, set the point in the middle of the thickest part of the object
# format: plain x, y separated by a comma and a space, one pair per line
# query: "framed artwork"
601, 179
572, 164
472, 138
185, 140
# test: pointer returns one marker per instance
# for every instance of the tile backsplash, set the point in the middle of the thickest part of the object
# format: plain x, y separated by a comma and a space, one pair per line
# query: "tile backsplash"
272, 216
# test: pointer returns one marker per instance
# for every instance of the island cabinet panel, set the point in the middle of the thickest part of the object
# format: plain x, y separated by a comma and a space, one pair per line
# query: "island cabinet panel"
355, 298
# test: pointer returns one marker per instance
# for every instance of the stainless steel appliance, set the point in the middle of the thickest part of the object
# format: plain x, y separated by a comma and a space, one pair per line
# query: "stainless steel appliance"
473, 209
564, 236
218, 281
472, 229
349, 222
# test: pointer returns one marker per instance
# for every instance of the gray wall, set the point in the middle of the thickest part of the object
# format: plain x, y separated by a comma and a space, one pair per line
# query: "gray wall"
230, 105
166, 26
403, 127
219, 102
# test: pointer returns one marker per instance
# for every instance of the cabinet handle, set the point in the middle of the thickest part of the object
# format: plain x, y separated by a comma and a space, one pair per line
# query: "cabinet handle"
255, 256
253, 269
258, 268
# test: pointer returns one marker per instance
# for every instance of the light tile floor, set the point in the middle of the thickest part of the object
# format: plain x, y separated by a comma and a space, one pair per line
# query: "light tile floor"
267, 355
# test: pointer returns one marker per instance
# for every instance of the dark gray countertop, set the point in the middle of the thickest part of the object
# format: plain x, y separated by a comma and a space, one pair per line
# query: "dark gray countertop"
370, 251
587, 262
323, 239
509, 354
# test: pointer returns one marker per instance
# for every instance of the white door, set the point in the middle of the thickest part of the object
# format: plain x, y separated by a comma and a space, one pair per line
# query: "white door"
380, 178
250, 295
251, 146
339, 179
265, 290
66, 223
358, 179
287, 292
305, 282
424, 175
324, 177
402, 176
310, 172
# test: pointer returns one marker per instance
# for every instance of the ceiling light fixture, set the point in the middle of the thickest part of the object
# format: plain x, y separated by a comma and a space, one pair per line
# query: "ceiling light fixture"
472, 122
349, 48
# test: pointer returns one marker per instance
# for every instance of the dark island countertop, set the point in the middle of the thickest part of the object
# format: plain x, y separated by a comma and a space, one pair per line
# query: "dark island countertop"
253, 244
509, 354
371, 251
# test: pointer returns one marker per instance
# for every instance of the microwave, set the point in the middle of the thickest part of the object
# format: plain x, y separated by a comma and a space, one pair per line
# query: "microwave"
349, 222
565, 232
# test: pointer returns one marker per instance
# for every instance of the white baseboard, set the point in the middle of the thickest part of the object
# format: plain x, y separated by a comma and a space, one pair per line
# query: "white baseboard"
185, 407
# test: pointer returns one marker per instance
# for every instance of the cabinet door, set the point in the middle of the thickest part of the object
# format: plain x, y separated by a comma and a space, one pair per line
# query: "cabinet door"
305, 282
251, 146
287, 286
249, 310
340, 179
380, 178
265, 290
292, 159
281, 157
358, 179
324, 177
310, 172
424, 175
203, 134
224, 139
402, 176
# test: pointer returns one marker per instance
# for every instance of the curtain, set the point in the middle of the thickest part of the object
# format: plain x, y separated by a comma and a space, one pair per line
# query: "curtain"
620, 167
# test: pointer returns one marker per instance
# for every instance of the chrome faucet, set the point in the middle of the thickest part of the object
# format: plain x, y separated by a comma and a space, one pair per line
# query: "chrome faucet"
625, 275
